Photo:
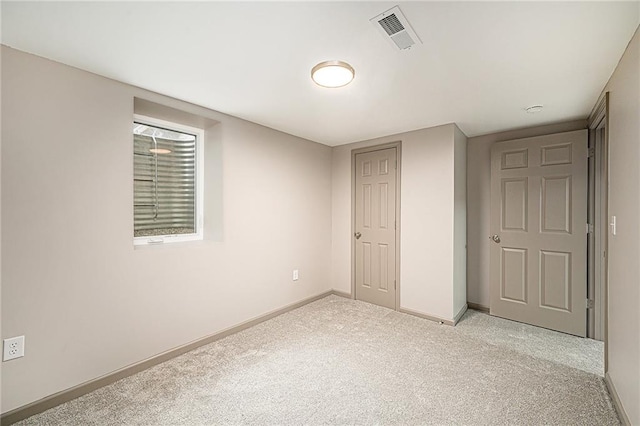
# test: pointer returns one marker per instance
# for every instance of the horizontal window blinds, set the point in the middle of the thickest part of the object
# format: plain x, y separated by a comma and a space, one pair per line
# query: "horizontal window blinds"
164, 186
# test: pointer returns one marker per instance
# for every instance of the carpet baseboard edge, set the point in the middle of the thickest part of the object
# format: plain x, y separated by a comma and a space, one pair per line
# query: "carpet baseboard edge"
342, 294
478, 307
460, 314
66, 395
415, 313
617, 404
427, 317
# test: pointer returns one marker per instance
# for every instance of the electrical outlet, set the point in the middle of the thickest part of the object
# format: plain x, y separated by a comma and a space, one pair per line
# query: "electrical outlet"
295, 275
13, 348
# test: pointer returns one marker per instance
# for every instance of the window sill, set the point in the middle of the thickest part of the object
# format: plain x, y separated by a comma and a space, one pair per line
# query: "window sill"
174, 245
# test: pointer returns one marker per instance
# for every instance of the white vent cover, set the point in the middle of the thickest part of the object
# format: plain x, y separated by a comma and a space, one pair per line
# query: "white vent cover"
393, 25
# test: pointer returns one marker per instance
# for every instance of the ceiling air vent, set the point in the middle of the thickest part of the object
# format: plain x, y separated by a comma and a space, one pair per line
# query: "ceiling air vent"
393, 25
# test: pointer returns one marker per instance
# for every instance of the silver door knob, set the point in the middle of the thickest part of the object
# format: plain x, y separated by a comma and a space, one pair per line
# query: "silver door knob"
495, 238
357, 235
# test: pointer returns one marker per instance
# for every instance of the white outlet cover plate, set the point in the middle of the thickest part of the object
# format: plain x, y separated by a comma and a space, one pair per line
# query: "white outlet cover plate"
13, 348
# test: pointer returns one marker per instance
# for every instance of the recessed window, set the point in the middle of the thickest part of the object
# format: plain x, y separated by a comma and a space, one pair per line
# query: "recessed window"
167, 181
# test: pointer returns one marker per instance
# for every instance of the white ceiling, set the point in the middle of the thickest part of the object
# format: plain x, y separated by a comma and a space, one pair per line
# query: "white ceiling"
480, 65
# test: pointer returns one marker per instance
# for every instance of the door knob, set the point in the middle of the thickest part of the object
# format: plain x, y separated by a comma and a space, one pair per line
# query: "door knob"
357, 235
495, 238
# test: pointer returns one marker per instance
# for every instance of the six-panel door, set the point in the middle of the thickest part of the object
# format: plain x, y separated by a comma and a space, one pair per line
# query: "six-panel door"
375, 220
539, 214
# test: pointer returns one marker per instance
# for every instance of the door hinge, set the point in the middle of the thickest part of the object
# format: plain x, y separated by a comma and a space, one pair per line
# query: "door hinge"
590, 304
396, 166
591, 152
589, 228
395, 224
394, 285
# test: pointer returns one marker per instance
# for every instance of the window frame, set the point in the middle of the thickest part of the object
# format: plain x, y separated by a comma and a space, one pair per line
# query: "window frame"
199, 181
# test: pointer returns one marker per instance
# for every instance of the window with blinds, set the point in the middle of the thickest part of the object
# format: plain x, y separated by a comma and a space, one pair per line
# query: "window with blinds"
165, 181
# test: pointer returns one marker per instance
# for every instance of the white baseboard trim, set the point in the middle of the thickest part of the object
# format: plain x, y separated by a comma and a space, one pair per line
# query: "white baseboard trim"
616, 401
66, 395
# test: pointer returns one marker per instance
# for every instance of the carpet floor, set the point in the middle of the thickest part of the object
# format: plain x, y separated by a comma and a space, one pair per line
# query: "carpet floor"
339, 361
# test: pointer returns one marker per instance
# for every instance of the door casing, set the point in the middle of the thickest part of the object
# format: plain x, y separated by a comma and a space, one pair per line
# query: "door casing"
599, 267
398, 146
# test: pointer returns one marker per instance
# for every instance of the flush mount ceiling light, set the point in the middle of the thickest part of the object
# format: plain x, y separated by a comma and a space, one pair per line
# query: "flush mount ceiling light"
332, 74
533, 109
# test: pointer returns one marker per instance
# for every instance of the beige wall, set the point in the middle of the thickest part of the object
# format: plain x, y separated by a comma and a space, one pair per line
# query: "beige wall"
624, 247
479, 199
72, 282
426, 221
1, 219
460, 222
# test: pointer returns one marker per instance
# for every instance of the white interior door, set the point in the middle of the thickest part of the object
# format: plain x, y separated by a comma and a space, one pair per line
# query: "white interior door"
539, 226
375, 227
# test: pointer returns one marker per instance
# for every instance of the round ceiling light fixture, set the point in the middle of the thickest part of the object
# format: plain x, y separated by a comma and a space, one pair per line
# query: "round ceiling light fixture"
533, 109
332, 74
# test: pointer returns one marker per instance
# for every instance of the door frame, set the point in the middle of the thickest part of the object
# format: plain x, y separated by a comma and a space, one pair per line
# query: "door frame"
599, 121
398, 146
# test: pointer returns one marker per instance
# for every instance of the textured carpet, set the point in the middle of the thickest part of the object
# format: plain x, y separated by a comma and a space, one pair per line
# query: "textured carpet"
338, 361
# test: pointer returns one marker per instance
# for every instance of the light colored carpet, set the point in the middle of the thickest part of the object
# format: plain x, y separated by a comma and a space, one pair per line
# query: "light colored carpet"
583, 354
338, 361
